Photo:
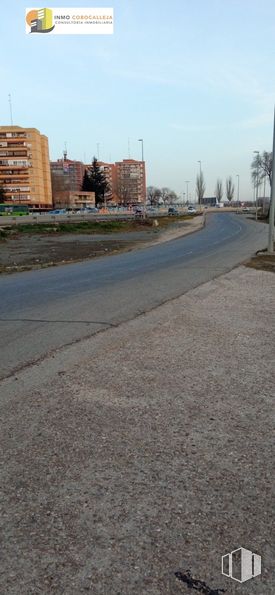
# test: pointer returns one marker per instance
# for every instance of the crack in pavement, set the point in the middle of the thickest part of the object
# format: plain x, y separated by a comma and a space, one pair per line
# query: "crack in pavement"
196, 584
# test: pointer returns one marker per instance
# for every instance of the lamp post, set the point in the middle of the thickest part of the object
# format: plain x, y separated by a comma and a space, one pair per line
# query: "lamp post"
140, 140
200, 166
257, 184
200, 181
238, 190
187, 182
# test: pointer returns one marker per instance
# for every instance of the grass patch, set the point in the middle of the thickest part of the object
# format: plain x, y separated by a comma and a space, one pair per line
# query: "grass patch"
81, 227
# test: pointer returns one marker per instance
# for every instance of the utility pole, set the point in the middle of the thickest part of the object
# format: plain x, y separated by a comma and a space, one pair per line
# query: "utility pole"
272, 199
257, 184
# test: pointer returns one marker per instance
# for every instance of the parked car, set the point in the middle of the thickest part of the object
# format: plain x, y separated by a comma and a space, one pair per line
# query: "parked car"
138, 211
191, 210
173, 211
57, 212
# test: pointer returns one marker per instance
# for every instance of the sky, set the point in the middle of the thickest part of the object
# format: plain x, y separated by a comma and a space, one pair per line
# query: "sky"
195, 80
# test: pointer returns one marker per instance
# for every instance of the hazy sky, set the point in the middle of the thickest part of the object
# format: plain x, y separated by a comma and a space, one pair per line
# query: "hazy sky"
195, 80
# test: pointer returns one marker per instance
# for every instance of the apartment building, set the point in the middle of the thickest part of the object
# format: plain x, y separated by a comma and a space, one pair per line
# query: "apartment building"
126, 180
25, 167
67, 178
130, 181
68, 173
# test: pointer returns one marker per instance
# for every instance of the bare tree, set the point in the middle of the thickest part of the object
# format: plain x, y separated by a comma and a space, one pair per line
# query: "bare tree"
171, 198
124, 195
153, 195
261, 167
230, 188
200, 187
165, 192
165, 195
219, 190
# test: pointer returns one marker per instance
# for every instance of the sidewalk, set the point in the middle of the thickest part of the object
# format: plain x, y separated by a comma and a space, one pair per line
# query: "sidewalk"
145, 450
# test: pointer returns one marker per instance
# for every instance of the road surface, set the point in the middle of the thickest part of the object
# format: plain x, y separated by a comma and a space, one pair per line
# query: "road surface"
41, 311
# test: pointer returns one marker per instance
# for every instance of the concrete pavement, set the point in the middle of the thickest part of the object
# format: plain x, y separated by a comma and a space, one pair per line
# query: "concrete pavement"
145, 451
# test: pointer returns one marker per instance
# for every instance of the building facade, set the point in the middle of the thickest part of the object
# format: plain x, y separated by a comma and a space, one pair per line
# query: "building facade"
25, 167
130, 181
68, 172
74, 199
126, 180
67, 177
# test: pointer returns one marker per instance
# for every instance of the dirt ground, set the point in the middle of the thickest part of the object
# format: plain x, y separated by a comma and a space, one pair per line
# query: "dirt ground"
24, 251
28, 251
262, 262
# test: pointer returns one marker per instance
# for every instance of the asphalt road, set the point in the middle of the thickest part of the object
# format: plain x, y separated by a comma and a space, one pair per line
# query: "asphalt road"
41, 311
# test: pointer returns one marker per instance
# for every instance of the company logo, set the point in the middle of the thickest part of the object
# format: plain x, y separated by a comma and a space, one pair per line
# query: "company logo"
40, 20
70, 21
241, 565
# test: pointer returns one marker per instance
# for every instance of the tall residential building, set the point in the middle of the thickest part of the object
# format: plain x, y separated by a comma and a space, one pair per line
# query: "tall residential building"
68, 173
25, 167
131, 181
67, 177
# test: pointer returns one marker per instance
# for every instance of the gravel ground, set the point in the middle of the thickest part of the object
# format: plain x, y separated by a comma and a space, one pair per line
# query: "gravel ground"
145, 451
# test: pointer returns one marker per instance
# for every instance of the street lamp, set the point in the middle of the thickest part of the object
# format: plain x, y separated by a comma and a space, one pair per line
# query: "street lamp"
200, 166
187, 182
140, 140
257, 184
200, 181
238, 190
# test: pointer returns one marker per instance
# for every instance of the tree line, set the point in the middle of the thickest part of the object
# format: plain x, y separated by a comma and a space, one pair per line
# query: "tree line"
161, 195
218, 192
166, 196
